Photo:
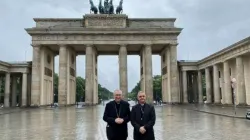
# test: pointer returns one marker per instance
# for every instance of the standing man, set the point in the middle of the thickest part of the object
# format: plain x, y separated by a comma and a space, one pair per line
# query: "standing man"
143, 119
117, 115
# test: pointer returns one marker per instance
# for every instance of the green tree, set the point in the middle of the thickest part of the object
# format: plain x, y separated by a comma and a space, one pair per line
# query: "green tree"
137, 88
157, 80
80, 88
103, 93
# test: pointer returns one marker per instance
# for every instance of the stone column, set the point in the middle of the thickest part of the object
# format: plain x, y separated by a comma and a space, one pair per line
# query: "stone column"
240, 87
7, 90
24, 90
174, 75
36, 79
89, 75
95, 90
199, 80
195, 87
63, 71
123, 70
29, 89
0, 89
227, 84
14, 87
208, 85
148, 73
164, 73
216, 84
185, 92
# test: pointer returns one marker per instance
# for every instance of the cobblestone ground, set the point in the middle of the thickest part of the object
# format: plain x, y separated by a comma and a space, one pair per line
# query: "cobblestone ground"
173, 123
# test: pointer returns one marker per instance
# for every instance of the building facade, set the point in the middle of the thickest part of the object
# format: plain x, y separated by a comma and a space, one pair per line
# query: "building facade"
95, 35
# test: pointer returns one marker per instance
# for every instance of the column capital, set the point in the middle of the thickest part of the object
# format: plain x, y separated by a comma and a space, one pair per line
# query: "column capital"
7, 72
173, 44
147, 45
123, 45
89, 45
36, 45
62, 45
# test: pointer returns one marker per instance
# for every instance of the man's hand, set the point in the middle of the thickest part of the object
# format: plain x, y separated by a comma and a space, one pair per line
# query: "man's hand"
142, 130
119, 120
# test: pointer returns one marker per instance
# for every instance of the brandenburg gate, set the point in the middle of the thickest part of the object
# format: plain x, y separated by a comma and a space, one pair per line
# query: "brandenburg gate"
101, 34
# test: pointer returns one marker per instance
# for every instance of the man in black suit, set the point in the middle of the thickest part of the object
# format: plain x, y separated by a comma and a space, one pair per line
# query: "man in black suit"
117, 115
143, 119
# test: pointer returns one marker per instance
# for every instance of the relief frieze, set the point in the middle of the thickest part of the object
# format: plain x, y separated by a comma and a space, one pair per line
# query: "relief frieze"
101, 37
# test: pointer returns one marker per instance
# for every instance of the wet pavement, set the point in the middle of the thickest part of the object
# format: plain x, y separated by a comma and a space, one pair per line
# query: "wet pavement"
228, 111
172, 123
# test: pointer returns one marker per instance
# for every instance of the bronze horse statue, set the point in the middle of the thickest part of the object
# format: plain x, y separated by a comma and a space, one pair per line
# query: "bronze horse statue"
111, 7
93, 7
119, 8
101, 8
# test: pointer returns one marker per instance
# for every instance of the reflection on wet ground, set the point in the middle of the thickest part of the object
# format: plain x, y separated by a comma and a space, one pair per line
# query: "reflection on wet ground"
173, 123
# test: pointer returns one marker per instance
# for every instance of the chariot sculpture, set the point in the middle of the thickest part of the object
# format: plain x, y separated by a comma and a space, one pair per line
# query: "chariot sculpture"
107, 8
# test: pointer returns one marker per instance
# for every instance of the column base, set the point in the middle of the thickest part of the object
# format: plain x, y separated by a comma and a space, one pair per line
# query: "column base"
89, 104
171, 103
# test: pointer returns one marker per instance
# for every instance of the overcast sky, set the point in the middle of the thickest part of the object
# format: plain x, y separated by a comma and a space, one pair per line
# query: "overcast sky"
208, 26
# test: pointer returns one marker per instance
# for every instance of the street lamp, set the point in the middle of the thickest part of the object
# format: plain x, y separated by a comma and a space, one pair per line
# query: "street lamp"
233, 83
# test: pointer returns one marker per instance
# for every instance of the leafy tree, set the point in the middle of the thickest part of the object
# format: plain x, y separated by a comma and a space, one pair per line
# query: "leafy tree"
137, 88
157, 80
80, 89
103, 93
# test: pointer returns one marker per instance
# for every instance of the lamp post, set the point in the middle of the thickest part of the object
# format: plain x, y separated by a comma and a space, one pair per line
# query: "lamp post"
233, 82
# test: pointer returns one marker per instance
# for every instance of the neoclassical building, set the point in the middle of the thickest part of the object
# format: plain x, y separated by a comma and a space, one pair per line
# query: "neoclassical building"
95, 35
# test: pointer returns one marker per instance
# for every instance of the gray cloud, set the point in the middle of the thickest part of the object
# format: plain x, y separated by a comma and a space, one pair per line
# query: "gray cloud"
208, 26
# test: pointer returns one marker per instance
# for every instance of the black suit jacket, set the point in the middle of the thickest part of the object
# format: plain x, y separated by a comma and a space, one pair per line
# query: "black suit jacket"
116, 131
147, 120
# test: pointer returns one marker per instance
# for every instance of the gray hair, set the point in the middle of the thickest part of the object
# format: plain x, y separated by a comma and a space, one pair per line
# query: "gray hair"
140, 92
117, 90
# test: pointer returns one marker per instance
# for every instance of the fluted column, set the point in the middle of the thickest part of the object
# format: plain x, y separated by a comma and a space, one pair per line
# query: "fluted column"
62, 87
185, 92
36, 76
24, 90
240, 87
14, 87
199, 79
208, 85
89, 75
148, 73
7, 90
174, 75
123, 70
216, 85
227, 84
